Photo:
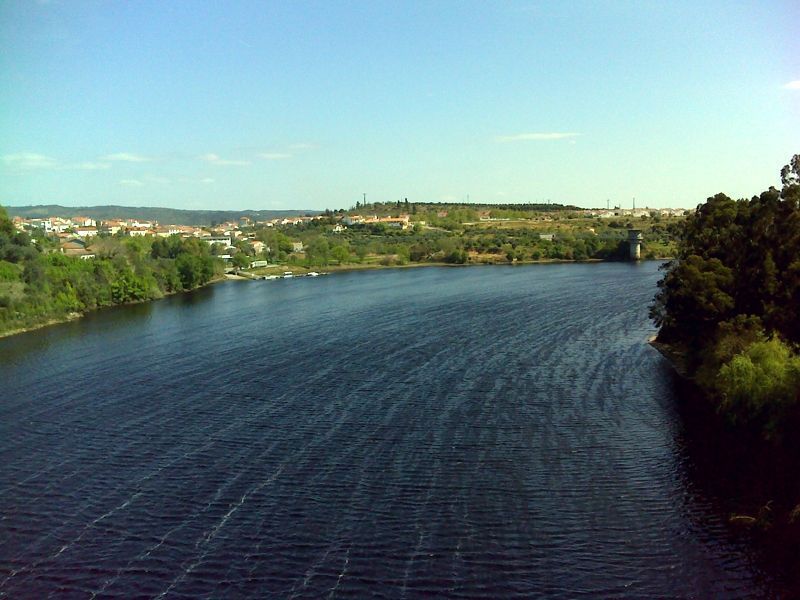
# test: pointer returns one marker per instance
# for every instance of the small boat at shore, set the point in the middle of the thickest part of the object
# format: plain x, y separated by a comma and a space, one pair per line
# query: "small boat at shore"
288, 274
312, 274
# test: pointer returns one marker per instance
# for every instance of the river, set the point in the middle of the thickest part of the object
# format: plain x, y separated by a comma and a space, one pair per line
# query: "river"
486, 432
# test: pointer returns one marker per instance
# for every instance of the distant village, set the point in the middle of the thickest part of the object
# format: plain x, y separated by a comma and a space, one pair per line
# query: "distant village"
75, 234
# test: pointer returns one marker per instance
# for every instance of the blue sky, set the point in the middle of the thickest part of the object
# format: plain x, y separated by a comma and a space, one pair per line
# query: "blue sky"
311, 104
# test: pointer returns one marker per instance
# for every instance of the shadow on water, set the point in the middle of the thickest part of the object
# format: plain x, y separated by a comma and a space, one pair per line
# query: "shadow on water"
101, 321
493, 433
740, 475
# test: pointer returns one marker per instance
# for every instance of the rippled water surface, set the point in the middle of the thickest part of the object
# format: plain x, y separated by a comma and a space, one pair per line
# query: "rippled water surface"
473, 432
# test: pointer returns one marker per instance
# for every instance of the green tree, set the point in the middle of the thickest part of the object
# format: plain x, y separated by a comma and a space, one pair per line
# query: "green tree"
340, 253
318, 251
732, 296
241, 260
761, 385
693, 297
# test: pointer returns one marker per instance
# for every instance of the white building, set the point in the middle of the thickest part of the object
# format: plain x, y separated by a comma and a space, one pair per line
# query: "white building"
218, 239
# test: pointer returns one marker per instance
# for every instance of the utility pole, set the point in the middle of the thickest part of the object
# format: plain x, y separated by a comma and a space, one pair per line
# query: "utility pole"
365, 198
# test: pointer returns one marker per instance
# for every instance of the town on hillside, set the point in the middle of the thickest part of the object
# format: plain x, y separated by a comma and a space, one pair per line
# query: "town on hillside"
485, 234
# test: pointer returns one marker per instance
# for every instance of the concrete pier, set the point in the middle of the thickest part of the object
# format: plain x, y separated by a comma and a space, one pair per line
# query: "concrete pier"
635, 243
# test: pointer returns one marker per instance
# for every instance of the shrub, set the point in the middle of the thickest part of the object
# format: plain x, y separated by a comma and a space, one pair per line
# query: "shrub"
761, 384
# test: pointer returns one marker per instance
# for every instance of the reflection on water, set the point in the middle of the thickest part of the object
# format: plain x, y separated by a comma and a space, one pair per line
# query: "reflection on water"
480, 433
741, 474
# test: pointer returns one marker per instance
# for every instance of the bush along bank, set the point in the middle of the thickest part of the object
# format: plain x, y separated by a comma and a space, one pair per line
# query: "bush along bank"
729, 306
39, 284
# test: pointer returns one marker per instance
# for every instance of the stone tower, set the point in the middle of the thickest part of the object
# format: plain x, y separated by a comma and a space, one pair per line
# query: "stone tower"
635, 242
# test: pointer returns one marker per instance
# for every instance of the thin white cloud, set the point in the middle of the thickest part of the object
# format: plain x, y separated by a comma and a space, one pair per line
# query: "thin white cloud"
29, 161
792, 85
131, 182
214, 159
537, 137
90, 166
275, 155
203, 180
126, 157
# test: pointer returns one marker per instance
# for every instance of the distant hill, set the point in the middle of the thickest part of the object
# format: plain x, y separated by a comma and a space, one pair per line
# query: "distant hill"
525, 207
528, 207
167, 216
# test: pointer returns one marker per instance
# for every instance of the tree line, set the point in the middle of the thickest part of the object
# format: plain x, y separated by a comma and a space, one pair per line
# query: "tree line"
730, 301
39, 283
456, 243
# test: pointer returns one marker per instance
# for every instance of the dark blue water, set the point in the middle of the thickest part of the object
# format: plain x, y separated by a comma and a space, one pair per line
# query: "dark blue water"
471, 433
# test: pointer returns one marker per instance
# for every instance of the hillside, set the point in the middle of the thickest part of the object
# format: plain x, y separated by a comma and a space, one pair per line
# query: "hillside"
199, 218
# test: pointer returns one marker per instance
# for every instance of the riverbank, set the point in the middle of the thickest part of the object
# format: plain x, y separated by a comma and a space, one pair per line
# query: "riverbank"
66, 319
760, 496
676, 357
297, 269
74, 316
300, 270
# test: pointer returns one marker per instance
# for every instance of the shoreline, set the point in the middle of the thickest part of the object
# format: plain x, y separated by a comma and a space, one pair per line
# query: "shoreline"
335, 269
66, 319
74, 316
772, 517
417, 265
675, 357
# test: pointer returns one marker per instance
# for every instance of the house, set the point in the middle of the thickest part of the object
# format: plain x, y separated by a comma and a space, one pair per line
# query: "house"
297, 246
138, 231
401, 222
167, 231
84, 231
76, 248
113, 227
52, 225
83, 222
190, 231
136, 224
225, 240
352, 219
72, 244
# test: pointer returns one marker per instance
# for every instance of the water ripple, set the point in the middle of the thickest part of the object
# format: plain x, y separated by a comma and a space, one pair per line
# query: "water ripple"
468, 433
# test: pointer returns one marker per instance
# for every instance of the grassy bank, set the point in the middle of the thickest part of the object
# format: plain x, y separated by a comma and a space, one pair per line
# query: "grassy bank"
371, 266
